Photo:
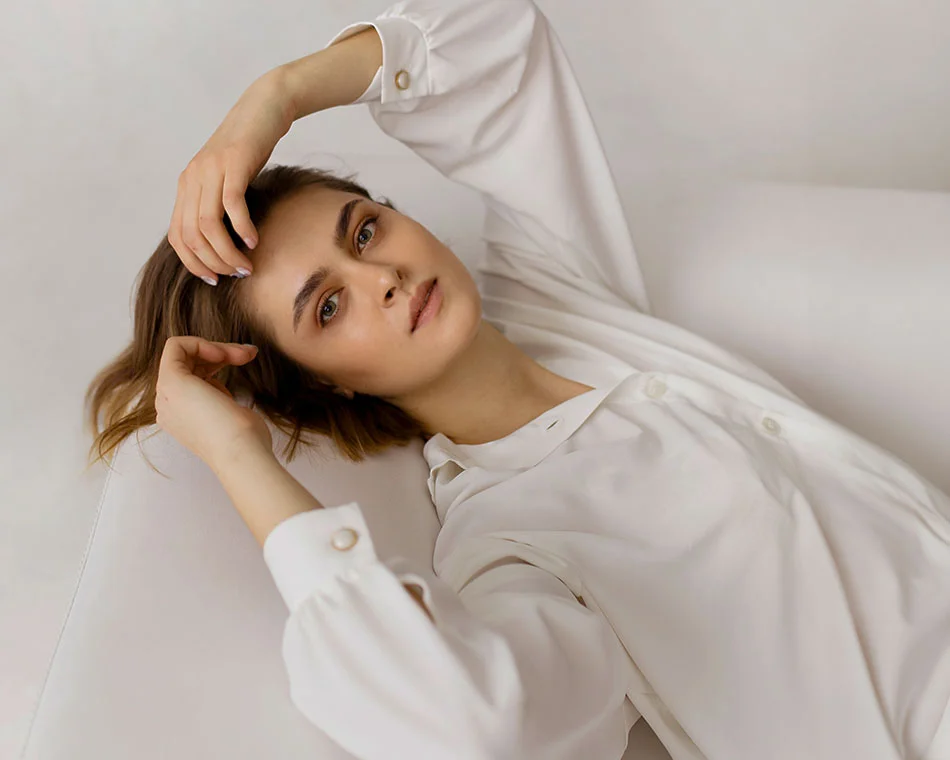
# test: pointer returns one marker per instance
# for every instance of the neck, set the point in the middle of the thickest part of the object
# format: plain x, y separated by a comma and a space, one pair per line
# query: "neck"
490, 391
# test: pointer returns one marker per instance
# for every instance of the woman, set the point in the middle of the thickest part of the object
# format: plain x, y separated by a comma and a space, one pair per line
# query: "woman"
634, 521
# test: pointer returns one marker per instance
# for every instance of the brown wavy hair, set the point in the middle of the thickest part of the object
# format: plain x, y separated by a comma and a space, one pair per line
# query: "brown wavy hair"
170, 301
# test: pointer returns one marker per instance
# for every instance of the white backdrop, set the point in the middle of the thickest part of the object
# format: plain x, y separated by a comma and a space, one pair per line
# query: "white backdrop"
103, 103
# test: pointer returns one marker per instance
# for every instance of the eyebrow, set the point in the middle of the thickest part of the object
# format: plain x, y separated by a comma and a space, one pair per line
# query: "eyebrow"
316, 278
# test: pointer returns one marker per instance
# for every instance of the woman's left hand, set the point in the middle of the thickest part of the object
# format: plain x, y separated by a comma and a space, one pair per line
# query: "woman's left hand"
197, 409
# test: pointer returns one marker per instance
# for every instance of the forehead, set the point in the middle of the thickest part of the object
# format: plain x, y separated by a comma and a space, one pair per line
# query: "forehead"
305, 218
295, 238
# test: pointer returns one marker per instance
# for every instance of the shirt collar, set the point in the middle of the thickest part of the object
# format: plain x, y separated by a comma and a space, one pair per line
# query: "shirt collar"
532, 442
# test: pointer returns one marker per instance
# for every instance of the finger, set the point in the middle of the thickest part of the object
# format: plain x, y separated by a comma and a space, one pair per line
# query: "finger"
194, 265
211, 356
193, 236
190, 261
181, 353
233, 354
235, 186
211, 223
184, 353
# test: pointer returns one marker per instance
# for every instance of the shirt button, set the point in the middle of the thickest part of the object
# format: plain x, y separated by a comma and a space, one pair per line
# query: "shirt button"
402, 79
344, 539
771, 425
656, 388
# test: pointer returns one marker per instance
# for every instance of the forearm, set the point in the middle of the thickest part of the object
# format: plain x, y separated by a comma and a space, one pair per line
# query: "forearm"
265, 495
335, 76
262, 490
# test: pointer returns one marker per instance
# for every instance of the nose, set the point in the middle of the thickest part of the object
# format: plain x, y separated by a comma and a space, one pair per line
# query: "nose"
390, 279
376, 282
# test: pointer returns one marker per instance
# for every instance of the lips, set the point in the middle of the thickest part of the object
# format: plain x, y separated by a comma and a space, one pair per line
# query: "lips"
419, 301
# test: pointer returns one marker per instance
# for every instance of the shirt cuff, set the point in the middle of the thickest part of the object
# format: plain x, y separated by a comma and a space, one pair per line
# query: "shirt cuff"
372, 93
311, 550
404, 74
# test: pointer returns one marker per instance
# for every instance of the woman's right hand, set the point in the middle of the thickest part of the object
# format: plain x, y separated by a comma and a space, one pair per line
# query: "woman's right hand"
196, 409
215, 180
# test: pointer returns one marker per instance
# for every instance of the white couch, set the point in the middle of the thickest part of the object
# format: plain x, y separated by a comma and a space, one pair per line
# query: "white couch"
171, 648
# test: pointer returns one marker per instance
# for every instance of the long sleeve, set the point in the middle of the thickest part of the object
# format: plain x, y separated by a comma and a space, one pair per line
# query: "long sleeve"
483, 91
514, 667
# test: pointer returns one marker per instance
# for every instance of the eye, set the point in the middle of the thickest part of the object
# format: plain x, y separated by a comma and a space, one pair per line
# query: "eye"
363, 226
326, 302
322, 317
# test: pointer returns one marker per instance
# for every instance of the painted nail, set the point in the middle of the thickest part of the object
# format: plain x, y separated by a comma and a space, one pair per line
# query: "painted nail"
242, 272
250, 242
209, 280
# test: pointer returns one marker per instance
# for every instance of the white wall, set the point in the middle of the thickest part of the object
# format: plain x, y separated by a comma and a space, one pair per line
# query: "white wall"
102, 103
844, 92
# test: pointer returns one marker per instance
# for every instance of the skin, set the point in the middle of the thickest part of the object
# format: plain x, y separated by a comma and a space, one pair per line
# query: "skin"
457, 374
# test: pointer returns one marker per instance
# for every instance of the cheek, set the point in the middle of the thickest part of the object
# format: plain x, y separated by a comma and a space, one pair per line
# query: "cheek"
368, 356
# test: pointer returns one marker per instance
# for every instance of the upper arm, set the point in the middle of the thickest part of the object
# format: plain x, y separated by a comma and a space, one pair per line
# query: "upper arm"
551, 198
483, 91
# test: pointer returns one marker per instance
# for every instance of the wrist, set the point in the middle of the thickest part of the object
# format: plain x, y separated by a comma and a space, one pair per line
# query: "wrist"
263, 492
279, 84
241, 454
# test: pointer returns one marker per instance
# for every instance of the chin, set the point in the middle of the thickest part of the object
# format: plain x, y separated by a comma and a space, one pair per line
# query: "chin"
451, 337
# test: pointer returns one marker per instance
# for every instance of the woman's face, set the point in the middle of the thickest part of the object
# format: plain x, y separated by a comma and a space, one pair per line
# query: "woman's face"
355, 328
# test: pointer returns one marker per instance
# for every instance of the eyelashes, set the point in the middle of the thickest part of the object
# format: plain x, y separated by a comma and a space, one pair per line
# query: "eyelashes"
323, 321
363, 226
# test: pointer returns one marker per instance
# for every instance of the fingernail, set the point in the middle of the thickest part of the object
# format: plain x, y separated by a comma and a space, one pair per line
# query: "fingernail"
250, 242
242, 272
209, 280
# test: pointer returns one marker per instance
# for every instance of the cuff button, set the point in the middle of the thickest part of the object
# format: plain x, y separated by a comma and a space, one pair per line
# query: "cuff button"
402, 79
344, 539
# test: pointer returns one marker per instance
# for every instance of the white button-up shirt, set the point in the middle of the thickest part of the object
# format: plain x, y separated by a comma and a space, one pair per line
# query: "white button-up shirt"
688, 541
